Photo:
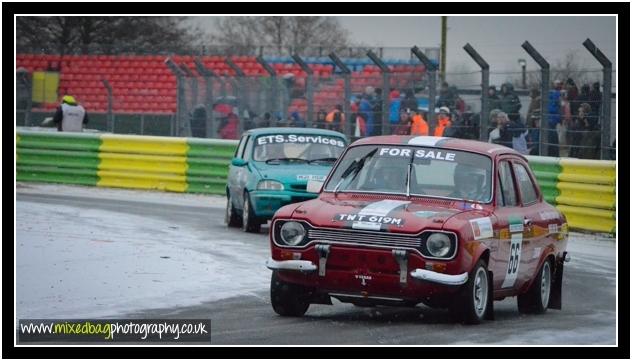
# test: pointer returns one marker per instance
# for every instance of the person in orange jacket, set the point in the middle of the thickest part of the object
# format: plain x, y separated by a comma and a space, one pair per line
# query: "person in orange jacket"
335, 120
418, 125
443, 121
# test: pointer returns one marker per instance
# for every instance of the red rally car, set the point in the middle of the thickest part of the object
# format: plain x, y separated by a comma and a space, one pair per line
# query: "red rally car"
402, 220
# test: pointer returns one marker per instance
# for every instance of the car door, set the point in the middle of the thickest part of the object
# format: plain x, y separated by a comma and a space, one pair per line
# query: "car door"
236, 175
535, 226
509, 223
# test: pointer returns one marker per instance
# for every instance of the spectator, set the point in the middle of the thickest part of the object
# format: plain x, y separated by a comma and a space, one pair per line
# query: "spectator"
296, 120
394, 108
359, 123
576, 128
519, 135
509, 102
583, 97
459, 103
443, 121
591, 137
418, 125
533, 138
230, 129
554, 118
447, 96
366, 112
266, 122
571, 94
534, 113
595, 97
409, 102
493, 125
562, 128
70, 116
198, 121
499, 134
320, 119
493, 101
335, 119
404, 124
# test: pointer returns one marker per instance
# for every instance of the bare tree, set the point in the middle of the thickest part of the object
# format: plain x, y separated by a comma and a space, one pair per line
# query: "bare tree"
101, 34
302, 34
571, 66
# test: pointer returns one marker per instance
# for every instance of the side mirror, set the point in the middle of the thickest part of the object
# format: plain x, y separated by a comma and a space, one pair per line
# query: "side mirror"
314, 186
238, 162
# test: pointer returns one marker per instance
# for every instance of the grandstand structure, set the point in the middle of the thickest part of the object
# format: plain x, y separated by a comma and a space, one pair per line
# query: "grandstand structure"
144, 84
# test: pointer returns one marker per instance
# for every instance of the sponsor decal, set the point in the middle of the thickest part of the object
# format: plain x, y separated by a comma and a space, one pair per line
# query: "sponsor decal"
515, 224
548, 215
482, 228
536, 252
476, 206
382, 208
553, 228
302, 139
309, 177
418, 153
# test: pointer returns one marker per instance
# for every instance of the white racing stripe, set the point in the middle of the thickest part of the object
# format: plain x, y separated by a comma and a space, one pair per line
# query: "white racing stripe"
380, 209
425, 140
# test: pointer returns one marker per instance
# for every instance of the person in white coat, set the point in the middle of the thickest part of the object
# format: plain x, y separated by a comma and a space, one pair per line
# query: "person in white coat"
70, 116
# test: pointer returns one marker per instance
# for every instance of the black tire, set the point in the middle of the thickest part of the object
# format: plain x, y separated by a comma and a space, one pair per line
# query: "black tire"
472, 304
231, 218
536, 299
249, 222
288, 299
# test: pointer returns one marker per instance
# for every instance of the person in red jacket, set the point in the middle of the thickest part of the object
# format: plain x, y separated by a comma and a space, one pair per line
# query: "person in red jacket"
229, 131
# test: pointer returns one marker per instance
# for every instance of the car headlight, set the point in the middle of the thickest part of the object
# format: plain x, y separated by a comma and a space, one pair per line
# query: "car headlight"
292, 233
438, 245
270, 185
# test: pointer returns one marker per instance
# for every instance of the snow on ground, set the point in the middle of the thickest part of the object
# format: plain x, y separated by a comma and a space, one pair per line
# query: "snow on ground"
77, 262
138, 195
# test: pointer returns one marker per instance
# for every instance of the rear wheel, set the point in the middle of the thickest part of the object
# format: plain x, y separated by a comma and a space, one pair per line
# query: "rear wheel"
231, 218
472, 304
536, 300
250, 223
288, 299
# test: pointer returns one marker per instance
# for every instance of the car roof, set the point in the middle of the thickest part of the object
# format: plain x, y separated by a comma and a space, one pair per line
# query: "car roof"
490, 149
293, 130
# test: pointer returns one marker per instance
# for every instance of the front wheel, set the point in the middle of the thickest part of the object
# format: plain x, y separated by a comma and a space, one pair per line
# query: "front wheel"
288, 299
536, 300
249, 220
472, 304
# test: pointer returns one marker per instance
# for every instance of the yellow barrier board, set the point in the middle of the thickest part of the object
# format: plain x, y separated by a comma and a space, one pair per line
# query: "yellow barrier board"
134, 144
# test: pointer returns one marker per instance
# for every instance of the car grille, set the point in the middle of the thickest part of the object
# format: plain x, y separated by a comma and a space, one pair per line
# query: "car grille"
299, 187
363, 237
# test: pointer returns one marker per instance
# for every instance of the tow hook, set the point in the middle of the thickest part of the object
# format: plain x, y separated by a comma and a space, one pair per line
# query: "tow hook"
323, 253
401, 256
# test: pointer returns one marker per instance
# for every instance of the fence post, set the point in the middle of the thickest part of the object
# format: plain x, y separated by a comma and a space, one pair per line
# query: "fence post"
272, 100
346, 106
23, 76
484, 120
544, 91
239, 91
606, 94
310, 88
110, 120
208, 75
431, 68
385, 90
180, 106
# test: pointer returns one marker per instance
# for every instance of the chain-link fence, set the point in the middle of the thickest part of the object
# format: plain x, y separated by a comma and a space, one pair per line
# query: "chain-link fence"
390, 91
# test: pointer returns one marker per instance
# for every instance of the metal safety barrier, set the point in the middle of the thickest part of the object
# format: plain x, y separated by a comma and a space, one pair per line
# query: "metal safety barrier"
126, 161
584, 190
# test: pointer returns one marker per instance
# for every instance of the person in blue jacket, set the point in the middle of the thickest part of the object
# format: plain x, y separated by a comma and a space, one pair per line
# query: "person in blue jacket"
554, 117
366, 111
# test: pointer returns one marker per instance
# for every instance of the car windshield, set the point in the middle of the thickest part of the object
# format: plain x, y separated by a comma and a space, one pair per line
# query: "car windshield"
410, 170
302, 148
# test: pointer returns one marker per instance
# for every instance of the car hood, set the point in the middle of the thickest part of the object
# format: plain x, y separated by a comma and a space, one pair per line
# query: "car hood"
398, 215
293, 173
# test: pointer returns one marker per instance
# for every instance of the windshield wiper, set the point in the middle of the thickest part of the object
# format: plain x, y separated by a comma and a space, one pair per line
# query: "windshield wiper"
354, 168
285, 159
329, 159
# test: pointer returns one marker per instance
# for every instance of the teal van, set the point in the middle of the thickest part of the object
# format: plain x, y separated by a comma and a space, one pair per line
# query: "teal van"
271, 168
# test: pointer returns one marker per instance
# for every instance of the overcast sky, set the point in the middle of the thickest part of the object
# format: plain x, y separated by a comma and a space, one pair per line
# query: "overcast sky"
497, 39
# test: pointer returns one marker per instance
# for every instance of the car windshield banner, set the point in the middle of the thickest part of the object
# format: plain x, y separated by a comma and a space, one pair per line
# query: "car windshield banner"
300, 139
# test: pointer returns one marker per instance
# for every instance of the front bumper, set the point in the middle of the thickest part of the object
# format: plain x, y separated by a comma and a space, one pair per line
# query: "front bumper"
291, 265
266, 203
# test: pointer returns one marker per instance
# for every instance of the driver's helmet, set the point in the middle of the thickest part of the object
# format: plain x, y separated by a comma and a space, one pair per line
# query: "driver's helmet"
389, 177
470, 182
